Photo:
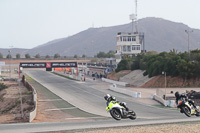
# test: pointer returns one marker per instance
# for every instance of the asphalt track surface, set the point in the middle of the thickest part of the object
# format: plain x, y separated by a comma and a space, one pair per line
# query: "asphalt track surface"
91, 100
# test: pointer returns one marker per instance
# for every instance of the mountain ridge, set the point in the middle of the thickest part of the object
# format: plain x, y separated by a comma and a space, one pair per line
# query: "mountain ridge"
160, 35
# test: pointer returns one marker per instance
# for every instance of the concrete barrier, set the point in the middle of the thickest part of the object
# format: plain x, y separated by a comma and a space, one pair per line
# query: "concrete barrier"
167, 103
159, 99
115, 82
32, 114
125, 91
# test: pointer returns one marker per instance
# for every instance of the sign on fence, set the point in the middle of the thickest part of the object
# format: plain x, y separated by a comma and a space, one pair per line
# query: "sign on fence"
2, 63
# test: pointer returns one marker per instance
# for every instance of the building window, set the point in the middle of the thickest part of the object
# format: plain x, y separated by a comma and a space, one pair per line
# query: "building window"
124, 48
133, 38
129, 48
136, 47
124, 38
129, 39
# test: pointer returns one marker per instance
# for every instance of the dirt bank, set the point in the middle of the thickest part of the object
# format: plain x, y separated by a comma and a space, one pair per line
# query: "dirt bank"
10, 102
159, 82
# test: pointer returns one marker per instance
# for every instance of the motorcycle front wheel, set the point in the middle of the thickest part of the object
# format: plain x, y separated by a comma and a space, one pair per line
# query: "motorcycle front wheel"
115, 114
186, 111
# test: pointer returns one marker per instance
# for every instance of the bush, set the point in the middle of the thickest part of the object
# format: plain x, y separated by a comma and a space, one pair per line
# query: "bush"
2, 86
123, 65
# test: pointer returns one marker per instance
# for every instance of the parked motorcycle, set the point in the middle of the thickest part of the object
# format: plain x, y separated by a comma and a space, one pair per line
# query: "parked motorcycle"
118, 112
187, 108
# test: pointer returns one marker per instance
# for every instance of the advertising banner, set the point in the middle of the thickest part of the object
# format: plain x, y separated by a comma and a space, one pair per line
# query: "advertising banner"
33, 65
48, 64
64, 64
2, 63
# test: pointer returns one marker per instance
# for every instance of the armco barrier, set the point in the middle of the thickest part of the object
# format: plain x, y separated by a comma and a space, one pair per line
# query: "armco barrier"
125, 91
115, 82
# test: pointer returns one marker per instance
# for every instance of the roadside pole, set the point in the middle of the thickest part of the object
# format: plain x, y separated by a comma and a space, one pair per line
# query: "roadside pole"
19, 72
77, 71
164, 73
20, 94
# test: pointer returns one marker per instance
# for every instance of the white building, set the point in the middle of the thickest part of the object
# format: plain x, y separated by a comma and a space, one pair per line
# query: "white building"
129, 44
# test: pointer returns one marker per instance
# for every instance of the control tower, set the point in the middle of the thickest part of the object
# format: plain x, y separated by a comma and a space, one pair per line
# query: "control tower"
130, 43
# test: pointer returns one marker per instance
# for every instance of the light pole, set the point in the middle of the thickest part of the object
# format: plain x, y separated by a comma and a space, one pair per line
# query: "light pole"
9, 57
188, 33
164, 73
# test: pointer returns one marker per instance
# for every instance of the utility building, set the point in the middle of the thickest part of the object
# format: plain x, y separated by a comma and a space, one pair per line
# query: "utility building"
129, 44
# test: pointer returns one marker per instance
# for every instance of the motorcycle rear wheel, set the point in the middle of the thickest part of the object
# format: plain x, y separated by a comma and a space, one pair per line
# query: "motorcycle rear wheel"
197, 112
133, 116
115, 114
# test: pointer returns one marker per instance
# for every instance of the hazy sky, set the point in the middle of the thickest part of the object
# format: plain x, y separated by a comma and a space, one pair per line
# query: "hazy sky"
29, 23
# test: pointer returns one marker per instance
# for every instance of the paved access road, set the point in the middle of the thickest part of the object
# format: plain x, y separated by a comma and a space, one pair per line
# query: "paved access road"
90, 100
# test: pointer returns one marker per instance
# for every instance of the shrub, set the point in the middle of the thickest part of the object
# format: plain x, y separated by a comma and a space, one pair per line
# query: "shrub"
2, 86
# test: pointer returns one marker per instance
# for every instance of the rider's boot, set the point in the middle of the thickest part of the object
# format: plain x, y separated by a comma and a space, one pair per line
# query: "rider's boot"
181, 111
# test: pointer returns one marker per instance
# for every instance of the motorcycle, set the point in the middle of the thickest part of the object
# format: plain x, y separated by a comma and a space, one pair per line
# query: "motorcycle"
118, 112
187, 108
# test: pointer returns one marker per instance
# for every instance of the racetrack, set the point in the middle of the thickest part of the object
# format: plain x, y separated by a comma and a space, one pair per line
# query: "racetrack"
91, 100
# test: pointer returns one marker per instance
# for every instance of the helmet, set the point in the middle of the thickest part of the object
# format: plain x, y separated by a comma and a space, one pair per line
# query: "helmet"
177, 94
107, 96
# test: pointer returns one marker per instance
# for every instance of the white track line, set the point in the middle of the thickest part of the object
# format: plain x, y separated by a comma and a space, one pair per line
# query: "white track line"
49, 100
76, 118
56, 109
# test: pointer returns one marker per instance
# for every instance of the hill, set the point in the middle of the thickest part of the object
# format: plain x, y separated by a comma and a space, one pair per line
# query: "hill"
160, 35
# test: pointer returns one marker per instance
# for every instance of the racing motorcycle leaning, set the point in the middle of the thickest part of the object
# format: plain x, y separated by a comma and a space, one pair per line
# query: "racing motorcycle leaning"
118, 112
187, 108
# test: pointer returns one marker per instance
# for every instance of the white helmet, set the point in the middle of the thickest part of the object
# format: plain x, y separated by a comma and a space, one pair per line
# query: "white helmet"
107, 96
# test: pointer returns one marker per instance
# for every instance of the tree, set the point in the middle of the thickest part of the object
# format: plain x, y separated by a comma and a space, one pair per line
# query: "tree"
75, 56
111, 54
123, 65
9, 56
47, 56
1, 56
101, 55
182, 68
56, 56
18, 56
151, 52
83, 56
27, 56
37, 56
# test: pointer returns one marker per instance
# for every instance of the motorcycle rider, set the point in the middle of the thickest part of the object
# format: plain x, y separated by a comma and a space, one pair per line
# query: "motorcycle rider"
110, 98
181, 96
